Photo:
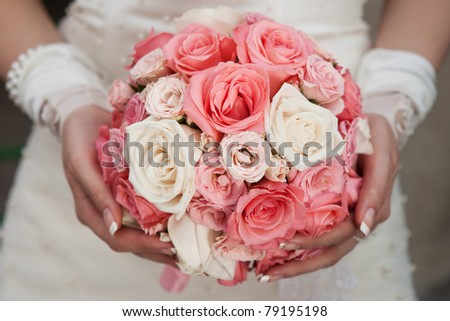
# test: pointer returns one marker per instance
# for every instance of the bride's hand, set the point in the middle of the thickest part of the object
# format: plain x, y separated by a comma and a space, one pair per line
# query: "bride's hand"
94, 202
379, 171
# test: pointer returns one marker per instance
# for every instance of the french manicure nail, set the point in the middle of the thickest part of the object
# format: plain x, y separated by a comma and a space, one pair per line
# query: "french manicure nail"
367, 221
109, 221
264, 279
164, 237
269, 278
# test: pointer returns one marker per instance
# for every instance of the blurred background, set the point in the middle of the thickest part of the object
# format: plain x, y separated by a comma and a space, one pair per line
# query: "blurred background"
425, 174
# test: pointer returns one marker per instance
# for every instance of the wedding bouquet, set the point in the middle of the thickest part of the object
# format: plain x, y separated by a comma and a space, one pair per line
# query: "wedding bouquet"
233, 135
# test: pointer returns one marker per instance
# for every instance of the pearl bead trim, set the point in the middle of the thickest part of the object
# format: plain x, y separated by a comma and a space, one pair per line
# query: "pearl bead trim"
15, 73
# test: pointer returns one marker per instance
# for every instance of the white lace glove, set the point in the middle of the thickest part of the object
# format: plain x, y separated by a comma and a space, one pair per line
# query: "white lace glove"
399, 85
51, 81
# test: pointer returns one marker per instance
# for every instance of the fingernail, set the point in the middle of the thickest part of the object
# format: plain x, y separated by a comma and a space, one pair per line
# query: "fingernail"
109, 221
167, 252
269, 278
282, 245
164, 237
367, 221
264, 279
173, 250
292, 247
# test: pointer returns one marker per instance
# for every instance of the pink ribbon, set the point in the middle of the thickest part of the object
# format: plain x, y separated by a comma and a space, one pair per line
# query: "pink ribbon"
173, 280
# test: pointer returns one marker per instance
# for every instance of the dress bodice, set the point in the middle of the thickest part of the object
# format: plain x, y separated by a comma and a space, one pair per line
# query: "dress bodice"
108, 29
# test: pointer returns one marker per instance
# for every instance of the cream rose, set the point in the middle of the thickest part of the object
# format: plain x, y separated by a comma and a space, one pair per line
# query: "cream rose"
299, 129
244, 156
195, 249
165, 98
277, 170
161, 172
222, 19
150, 67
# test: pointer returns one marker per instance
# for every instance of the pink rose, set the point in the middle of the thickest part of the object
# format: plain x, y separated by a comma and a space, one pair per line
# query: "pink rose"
102, 139
216, 185
119, 94
197, 48
228, 98
323, 83
109, 154
208, 145
210, 215
149, 68
351, 98
321, 182
354, 183
323, 219
117, 118
135, 110
244, 156
277, 48
125, 195
279, 256
236, 250
149, 44
149, 218
347, 129
357, 137
240, 275
273, 257
165, 98
116, 147
268, 215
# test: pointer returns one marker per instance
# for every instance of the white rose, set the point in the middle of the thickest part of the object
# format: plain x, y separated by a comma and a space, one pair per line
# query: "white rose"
195, 249
292, 122
150, 67
244, 156
165, 98
161, 172
222, 19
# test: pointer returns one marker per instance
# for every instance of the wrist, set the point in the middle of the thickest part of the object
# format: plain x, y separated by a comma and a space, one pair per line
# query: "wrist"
49, 82
400, 86
396, 109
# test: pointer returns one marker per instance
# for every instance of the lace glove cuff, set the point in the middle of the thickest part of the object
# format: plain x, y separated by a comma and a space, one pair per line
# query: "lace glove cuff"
398, 85
49, 82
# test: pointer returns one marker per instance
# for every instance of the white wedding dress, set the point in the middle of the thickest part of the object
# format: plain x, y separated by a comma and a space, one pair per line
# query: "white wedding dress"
48, 254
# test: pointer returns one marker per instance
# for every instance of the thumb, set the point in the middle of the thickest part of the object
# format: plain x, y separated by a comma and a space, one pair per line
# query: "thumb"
375, 188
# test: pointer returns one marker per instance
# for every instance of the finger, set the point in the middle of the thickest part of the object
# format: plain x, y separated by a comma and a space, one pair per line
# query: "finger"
159, 258
126, 239
87, 172
339, 234
80, 160
379, 171
293, 268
